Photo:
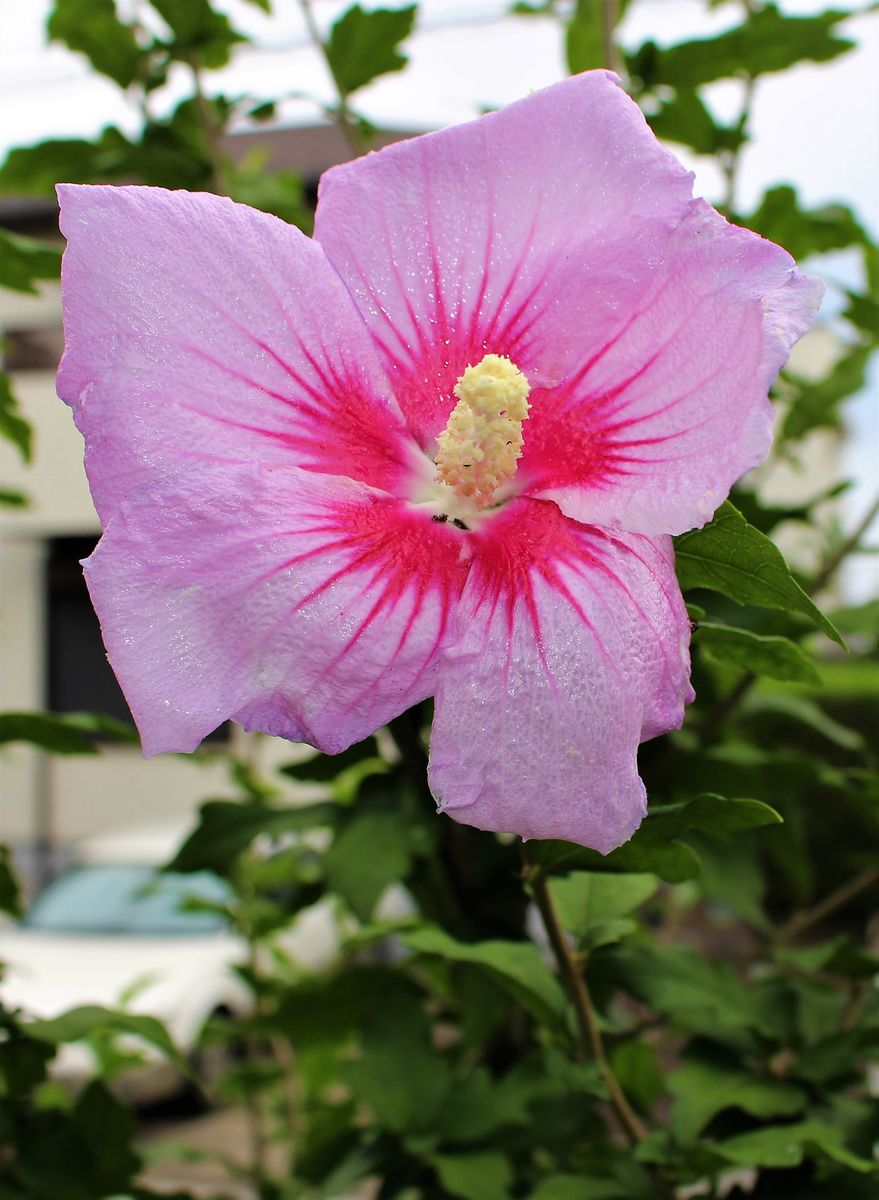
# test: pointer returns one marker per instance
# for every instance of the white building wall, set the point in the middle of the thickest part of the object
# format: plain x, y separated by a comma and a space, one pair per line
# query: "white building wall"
75, 796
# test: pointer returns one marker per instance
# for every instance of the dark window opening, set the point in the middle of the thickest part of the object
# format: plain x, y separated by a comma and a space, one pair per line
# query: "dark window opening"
309, 190
32, 349
80, 679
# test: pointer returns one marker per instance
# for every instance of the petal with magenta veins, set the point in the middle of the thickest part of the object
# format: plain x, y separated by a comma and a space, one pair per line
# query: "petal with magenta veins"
569, 647
528, 233
303, 605
199, 330
651, 433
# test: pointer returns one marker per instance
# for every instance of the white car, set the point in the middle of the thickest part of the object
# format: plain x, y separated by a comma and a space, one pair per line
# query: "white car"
114, 931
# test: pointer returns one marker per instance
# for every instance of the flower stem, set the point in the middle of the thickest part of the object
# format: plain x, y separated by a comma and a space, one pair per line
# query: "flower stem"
800, 922
212, 130
571, 967
851, 543
731, 161
610, 53
406, 732
344, 118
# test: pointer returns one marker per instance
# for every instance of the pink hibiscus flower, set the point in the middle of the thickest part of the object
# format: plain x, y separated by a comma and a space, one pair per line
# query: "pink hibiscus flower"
437, 450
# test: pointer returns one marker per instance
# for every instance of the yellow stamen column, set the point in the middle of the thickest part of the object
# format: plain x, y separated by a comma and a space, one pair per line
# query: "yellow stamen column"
482, 442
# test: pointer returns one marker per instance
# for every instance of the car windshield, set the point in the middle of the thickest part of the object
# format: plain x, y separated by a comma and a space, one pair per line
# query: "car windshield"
121, 899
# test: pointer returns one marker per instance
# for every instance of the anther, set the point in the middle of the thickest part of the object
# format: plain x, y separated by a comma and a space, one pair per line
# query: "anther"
479, 448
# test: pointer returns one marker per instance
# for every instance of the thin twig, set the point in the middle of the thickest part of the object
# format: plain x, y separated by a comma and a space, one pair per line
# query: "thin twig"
344, 118
800, 922
283, 1053
256, 1170
571, 969
212, 131
832, 564
406, 732
733, 161
724, 707
730, 165
610, 53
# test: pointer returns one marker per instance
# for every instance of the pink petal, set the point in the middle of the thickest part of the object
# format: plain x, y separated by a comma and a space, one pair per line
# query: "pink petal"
526, 233
199, 330
652, 432
300, 604
568, 649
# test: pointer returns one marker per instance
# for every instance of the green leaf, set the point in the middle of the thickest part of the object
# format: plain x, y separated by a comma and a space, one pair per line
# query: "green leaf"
533, 8
777, 657
321, 1012
398, 1072
484, 1175
719, 816
24, 260
858, 618
579, 1187
275, 191
804, 712
863, 312
93, 28
88, 1020
372, 851
226, 828
805, 231
172, 152
654, 847
695, 994
734, 881
67, 733
673, 861
35, 170
732, 557
685, 119
836, 1062
13, 427
201, 34
787, 1146
477, 1106
767, 41
517, 966
10, 895
815, 405
348, 1169
48, 732
23, 1059
107, 729
13, 499
767, 517
324, 768
703, 1087
590, 904
584, 44
639, 1072
838, 956
78, 1155
363, 45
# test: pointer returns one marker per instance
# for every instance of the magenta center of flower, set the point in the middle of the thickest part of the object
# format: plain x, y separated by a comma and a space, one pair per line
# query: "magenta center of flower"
482, 442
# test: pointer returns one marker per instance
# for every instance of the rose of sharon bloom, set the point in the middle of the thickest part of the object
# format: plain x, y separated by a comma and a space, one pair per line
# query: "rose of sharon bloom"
437, 450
